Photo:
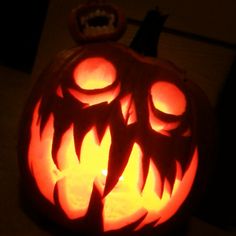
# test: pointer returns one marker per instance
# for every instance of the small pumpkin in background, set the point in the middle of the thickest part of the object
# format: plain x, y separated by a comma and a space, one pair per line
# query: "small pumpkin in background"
96, 21
110, 139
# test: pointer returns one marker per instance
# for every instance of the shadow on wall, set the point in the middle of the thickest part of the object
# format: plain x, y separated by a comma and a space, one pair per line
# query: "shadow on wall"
219, 206
21, 24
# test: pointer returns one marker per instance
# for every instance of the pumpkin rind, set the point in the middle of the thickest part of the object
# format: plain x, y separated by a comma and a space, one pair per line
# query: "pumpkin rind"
159, 144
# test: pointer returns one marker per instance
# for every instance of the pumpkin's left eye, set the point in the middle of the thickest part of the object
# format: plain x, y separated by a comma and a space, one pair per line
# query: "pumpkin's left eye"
94, 73
167, 103
96, 79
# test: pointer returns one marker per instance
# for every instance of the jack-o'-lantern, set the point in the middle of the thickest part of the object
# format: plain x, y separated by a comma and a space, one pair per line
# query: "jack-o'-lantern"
109, 139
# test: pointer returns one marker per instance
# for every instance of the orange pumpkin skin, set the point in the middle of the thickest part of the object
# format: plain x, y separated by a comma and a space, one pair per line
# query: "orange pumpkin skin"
110, 140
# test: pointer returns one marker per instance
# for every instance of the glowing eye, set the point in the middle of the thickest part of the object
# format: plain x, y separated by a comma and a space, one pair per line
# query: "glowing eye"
96, 77
94, 73
168, 98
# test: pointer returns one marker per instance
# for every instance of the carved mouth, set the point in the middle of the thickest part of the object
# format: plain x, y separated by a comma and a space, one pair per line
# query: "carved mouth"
98, 21
74, 179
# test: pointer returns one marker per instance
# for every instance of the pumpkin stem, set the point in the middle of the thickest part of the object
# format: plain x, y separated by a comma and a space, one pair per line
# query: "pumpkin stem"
146, 39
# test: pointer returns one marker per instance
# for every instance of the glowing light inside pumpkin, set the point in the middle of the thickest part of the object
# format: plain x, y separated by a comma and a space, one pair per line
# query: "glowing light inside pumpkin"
126, 203
59, 92
128, 109
92, 99
104, 172
94, 73
40, 159
159, 125
168, 98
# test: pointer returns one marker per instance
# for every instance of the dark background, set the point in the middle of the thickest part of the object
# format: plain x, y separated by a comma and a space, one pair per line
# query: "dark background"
21, 27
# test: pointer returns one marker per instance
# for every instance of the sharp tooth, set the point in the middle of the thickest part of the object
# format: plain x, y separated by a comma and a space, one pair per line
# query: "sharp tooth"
93, 30
97, 12
91, 15
112, 18
111, 28
99, 30
103, 13
104, 29
110, 23
86, 25
83, 20
88, 31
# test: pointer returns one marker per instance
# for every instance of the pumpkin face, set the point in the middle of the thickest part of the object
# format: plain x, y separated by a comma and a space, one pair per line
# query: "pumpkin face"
110, 136
96, 21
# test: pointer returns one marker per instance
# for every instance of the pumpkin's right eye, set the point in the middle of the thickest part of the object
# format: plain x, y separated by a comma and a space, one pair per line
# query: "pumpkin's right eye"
166, 99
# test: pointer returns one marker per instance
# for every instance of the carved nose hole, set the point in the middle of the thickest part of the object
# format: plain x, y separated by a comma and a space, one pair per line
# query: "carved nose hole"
128, 109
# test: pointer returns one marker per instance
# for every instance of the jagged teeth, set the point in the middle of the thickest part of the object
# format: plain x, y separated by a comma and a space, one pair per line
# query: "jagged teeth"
83, 20
97, 30
98, 13
111, 17
90, 30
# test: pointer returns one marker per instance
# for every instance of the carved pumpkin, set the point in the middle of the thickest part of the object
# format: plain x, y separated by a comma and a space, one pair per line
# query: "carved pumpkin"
110, 140
96, 21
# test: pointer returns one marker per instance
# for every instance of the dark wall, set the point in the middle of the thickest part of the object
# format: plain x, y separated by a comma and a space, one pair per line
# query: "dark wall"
21, 24
218, 206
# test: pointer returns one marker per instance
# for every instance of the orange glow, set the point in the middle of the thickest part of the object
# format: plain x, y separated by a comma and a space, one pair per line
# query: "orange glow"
123, 205
128, 109
92, 99
126, 203
40, 160
159, 125
75, 179
167, 206
168, 98
59, 92
187, 133
181, 190
94, 73
76, 188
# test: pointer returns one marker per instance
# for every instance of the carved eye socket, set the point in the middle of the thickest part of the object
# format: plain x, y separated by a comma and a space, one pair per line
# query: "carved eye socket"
94, 73
170, 101
168, 98
96, 81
